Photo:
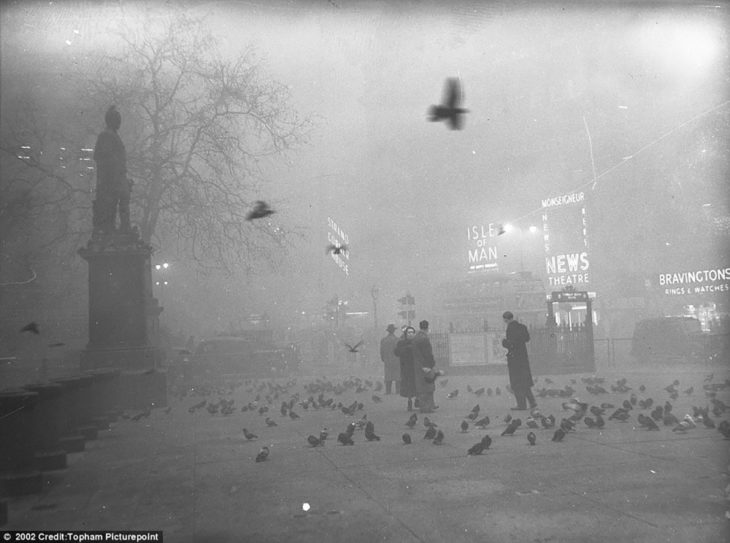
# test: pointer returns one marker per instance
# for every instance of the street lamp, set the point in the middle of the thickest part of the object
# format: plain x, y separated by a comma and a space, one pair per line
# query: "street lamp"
374, 293
162, 282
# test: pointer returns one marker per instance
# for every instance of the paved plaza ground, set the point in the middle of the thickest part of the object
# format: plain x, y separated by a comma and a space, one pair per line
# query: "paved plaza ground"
193, 475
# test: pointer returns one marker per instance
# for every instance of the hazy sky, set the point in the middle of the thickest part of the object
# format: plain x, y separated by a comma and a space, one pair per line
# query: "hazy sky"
405, 190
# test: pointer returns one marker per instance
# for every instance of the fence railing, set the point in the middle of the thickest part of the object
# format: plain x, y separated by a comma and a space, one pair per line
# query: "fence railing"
551, 350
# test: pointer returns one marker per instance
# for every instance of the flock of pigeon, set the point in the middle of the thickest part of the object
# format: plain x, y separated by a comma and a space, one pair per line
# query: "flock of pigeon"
645, 413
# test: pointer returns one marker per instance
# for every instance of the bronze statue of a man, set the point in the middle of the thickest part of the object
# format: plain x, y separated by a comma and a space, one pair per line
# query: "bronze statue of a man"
113, 189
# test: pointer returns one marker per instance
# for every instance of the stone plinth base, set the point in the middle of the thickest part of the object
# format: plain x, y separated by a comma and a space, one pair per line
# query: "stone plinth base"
130, 358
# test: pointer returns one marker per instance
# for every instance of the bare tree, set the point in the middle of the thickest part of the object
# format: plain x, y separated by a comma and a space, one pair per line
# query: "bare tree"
198, 129
45, 186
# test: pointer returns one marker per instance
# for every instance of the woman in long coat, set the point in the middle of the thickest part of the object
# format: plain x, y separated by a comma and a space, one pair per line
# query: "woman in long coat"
404, 351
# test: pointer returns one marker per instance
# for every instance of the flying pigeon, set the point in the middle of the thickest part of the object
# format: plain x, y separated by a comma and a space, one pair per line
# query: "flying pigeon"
353, 349
260, 209
449, 110
31, 327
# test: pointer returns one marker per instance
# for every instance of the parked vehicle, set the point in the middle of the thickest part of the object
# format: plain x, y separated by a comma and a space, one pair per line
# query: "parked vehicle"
218, 356
669, 338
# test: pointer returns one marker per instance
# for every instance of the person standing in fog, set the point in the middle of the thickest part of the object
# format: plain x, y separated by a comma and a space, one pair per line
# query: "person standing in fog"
404, 351
113, 189
390, 360
423, 361
518, 364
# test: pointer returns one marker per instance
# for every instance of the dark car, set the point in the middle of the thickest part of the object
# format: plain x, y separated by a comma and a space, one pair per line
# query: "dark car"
667, 338
226, 355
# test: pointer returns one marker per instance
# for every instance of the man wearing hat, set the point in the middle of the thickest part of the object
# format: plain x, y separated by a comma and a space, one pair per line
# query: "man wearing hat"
424, 362
390, 360
518, 364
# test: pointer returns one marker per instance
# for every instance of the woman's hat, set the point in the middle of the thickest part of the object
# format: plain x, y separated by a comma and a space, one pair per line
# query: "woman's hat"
391, 328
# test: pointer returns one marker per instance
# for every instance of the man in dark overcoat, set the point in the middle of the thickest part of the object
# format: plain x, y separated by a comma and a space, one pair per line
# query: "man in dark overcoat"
518, 364
391, 363
423, 360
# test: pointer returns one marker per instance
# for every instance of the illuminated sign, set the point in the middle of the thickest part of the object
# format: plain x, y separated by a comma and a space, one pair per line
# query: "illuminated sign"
565, 237
337, 237
695, 282
569, 296
482, 248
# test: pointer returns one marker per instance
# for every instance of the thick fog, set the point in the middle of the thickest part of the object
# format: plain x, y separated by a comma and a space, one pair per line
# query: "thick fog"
539, 187
626, 103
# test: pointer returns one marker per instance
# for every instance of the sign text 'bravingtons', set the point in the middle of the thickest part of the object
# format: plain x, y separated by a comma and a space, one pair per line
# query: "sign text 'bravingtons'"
695, 282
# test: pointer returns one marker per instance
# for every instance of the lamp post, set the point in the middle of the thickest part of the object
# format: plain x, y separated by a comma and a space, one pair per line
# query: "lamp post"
161, 280
374, 293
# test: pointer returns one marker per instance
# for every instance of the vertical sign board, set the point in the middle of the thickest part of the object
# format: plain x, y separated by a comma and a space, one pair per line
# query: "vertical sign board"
337, 237
496, 354
467, 350
482, 247
565, 235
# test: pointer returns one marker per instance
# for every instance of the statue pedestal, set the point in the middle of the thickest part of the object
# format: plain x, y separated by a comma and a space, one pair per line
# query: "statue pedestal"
123, 315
